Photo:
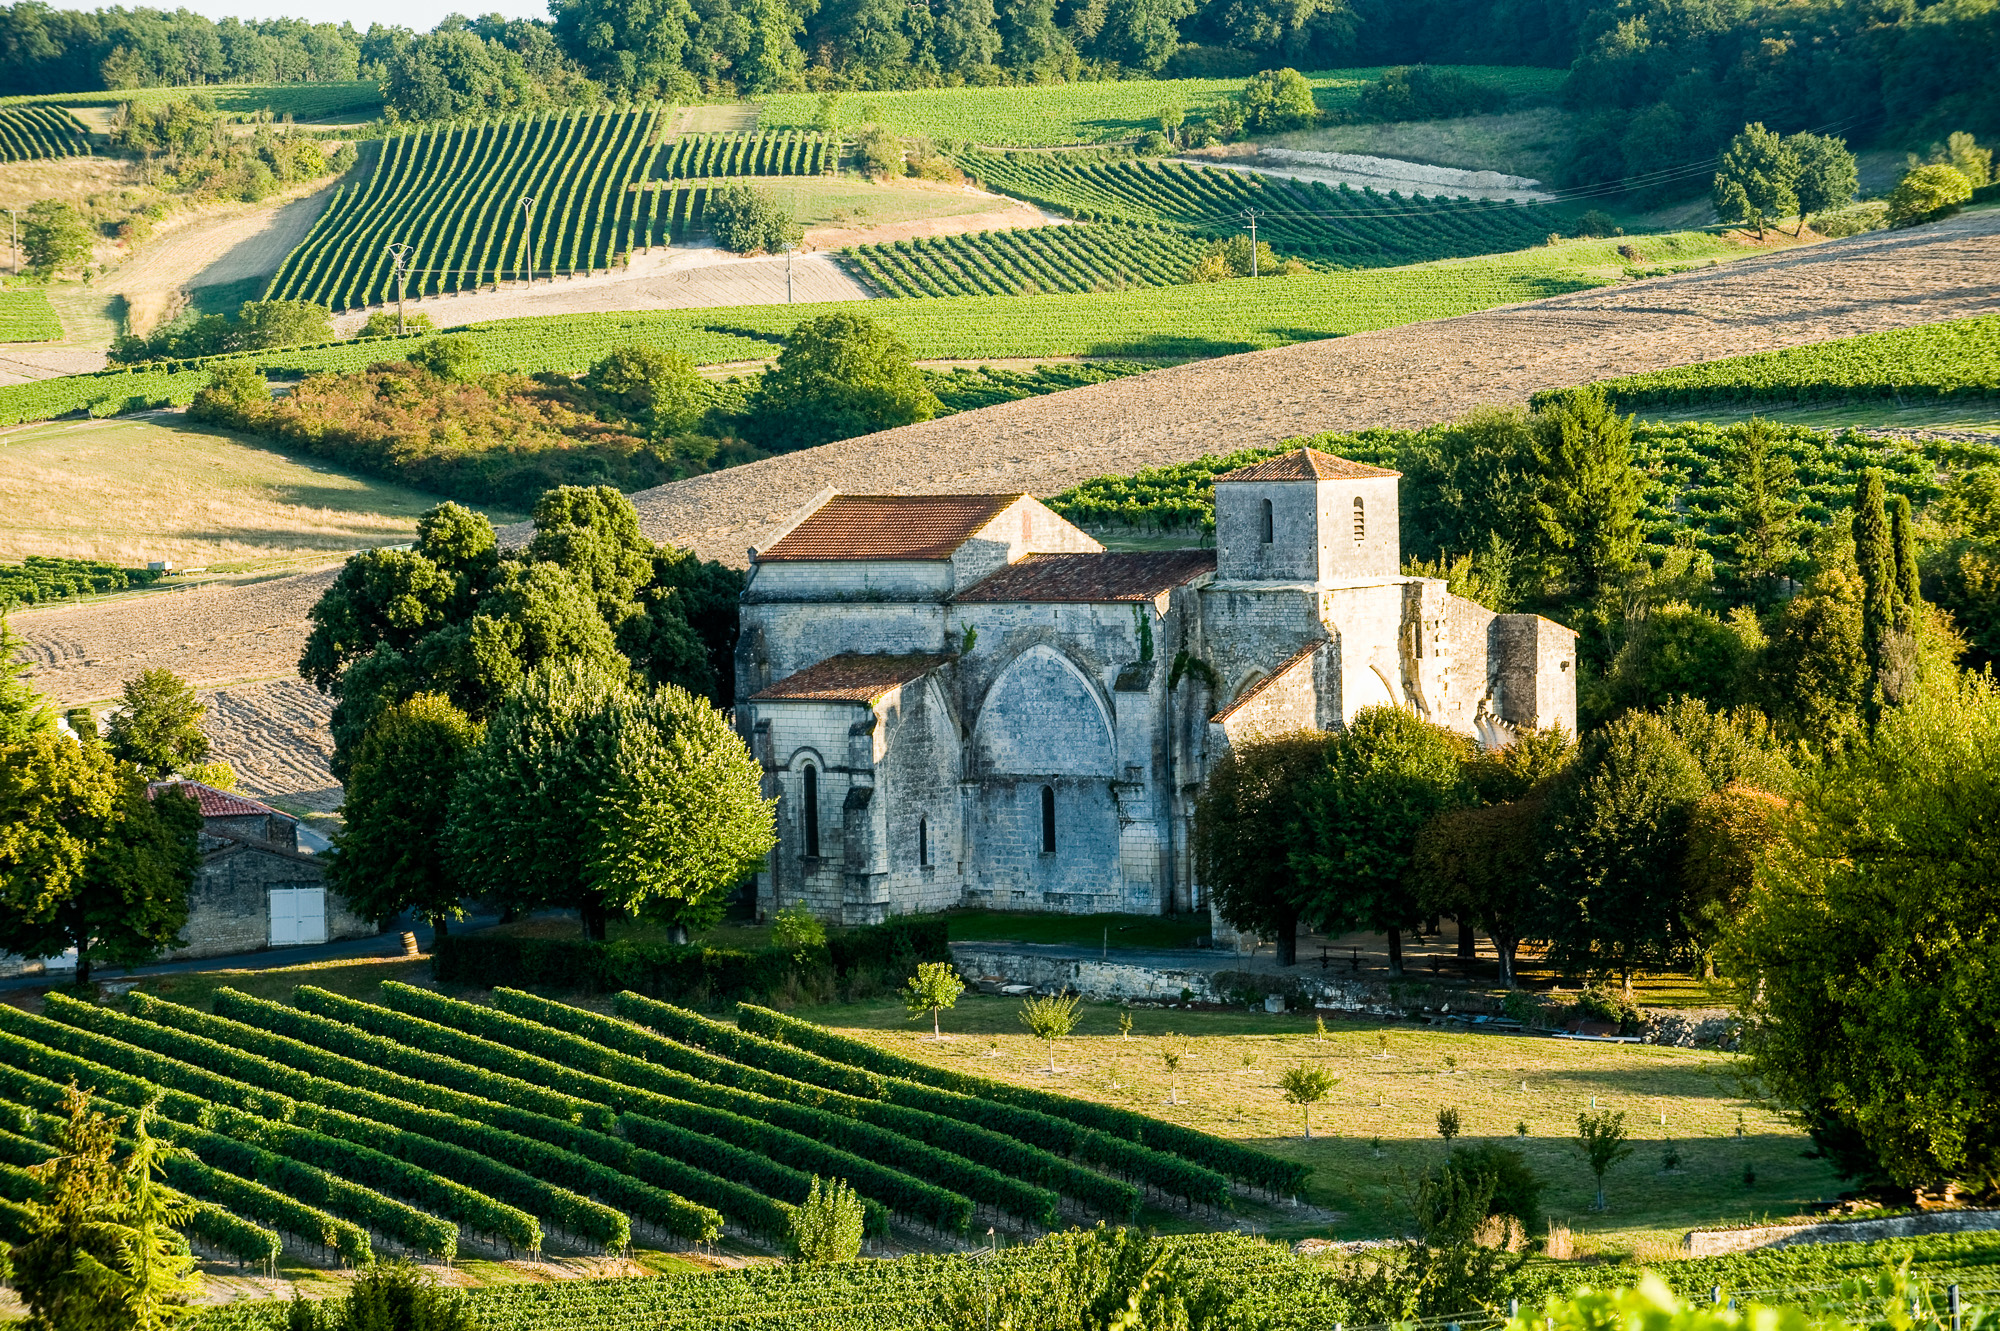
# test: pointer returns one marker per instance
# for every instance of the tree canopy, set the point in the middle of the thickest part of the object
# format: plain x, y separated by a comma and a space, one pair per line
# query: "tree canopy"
840, 375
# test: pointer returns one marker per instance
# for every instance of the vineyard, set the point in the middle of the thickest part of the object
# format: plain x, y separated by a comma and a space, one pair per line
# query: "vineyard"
425, 1123
27, 316
1058, 114
1028, 261
1686, 494
601, 186
1956, 360
1342, 226
41, 578
29, 132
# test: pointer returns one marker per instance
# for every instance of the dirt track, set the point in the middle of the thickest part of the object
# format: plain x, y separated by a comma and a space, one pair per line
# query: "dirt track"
1399, 377
1405, 377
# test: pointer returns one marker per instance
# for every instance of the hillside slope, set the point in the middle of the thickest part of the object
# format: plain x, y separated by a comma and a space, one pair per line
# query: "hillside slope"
1400, 377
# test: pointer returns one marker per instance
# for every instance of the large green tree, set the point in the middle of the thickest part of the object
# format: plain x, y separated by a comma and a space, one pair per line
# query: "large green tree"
1868, 960
1755, 178
1762, 509
1827, 177
840, 375
1586, 513
590, 794
1386, 775
1248, 806
87, 859
394, 854
158, 727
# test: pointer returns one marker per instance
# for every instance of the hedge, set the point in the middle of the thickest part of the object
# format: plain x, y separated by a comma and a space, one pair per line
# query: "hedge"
1225, 1157
663, 970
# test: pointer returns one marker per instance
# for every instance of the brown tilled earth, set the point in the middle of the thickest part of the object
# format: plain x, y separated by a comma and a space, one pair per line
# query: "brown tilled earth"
274, 734
1401, 377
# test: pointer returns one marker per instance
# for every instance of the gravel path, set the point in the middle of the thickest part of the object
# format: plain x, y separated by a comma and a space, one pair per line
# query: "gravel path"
1403, 377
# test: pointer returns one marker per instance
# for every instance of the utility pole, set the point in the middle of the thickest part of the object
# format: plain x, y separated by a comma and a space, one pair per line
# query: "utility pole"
789, 250
1251, 215
399, 254
14, 242
527, 220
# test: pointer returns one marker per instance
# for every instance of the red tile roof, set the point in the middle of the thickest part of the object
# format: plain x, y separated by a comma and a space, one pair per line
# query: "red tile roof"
1102, 576
1306, 464
888, 527
215, 803
850, 677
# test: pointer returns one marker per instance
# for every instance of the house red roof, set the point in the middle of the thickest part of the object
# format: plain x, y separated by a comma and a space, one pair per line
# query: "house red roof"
212, 802
1306, 464
888, 527
1100, 576
850, 677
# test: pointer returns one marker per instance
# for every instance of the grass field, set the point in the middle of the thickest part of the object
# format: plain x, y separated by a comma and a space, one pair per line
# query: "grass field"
1517, 143
302, 101
1068, 113
137, 490
27, 316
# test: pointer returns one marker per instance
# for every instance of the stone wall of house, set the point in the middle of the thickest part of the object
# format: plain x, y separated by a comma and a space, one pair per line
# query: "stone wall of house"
229, 906
787, 737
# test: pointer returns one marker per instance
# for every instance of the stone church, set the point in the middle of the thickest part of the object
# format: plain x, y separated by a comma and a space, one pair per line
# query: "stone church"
966, 700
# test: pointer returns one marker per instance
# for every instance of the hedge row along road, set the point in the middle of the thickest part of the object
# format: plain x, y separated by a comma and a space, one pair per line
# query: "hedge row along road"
600, 185
422, 1120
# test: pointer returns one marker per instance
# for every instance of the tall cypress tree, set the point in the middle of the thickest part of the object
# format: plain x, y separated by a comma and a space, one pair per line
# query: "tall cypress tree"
23, 712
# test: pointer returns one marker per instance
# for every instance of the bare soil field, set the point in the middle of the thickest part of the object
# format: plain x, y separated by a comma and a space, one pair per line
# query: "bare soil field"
1402, 377
275, 735
226, 243
1382, 174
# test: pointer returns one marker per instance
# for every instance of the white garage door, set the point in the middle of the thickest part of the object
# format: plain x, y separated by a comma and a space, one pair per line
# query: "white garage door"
298, 915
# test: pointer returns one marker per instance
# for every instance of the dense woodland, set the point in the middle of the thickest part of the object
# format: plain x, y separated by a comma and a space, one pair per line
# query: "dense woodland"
1662, 81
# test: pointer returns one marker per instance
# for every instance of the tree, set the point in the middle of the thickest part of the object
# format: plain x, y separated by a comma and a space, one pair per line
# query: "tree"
932, 989
648, 384
826, 1227
840, 375
1727, 834
1385, 776
1826, 177
101, 1253
1050, 1017
1885, 556
1601, 1138
1679, 651
749, 220
393, 847
1928, 194
1586, 513
589, 794
1249, 804
1278, 99
1763, 504
1117, 1279
23, 712
1755, 178
1862, 962
1471, 484
158, 727
54, 237
1170, 1059
87, 860
262, 324
395, 1296
454, 357
1305, 1086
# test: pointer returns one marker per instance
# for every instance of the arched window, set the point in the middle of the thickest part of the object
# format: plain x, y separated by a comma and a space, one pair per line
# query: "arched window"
1267, 530
1360, 521
923, 842
1048, 820
811, 784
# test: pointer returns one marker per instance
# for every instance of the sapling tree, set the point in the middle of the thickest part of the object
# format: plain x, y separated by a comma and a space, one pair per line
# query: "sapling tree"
827, 1226
932, 989
1601, 1136
1170, 1058
1448, 1124
1051, 1018
1305, 1086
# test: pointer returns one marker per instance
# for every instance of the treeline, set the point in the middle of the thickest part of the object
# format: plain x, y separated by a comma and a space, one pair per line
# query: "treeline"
46, 50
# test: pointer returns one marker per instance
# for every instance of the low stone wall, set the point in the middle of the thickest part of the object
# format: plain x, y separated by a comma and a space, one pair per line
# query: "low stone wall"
1720, 1242
1693, 1028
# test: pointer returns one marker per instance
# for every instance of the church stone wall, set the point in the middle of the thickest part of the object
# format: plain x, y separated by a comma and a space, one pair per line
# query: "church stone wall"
919, 781
783, 638
1241, 552
1367, 625
1378, 554
850, 579
1247, 631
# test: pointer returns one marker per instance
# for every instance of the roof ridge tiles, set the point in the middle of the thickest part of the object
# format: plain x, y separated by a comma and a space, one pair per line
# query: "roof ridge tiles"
1307, 464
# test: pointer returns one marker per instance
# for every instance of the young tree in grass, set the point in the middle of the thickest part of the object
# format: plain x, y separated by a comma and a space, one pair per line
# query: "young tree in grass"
1250, 804
827, 1226
1448, 1124
1051, 1018
1826, 177
1601, 1136
1170, 1059
394, 847
87, 859
1305, 1086
1384, 777
932, 989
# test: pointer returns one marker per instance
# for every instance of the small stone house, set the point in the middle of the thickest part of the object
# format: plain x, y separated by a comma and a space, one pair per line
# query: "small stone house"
967, 700
258, 886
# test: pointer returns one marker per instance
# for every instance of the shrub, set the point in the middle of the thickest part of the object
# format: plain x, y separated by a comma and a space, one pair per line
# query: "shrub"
1596, 223
1927, 194
881, 152
1279, 99
1153, 144
382, 323
827, 1226
1418, 92
1599, 1004
235, 386
748, 220
455, 358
